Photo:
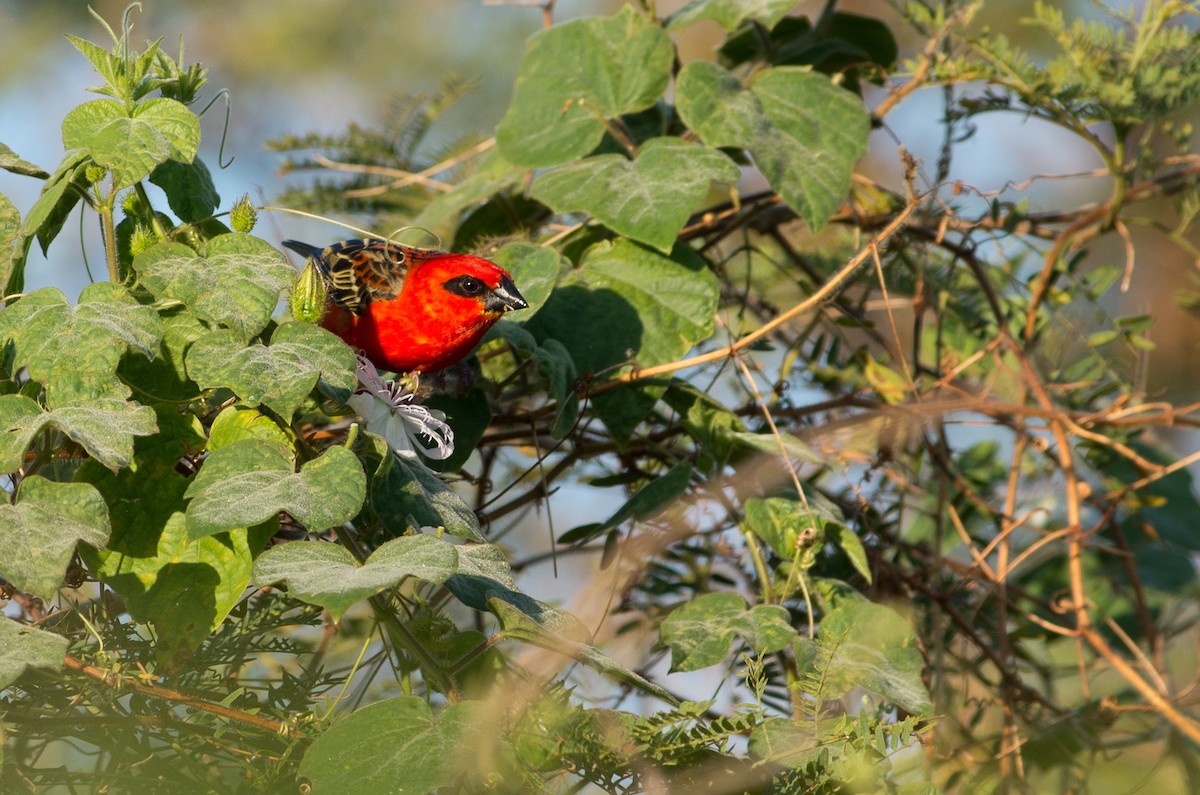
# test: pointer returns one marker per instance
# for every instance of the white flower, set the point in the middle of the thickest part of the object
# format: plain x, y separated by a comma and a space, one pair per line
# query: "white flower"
389, 408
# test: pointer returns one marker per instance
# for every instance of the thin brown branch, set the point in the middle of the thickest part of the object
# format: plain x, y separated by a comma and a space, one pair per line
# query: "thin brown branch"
119, 682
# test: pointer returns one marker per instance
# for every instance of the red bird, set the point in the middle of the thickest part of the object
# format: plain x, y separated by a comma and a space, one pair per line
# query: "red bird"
409, 308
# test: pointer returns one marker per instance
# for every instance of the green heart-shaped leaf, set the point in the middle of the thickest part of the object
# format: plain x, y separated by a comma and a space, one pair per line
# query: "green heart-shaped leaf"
648, 199
576, 75
393, 746
328, 575
131, 144
73, 351
39, 532
804, 133
700, 631
236, 284
250, 481
105, 428
873, 647
279, 375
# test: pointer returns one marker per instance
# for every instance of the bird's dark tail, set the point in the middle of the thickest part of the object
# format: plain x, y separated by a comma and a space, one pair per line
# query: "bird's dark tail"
303, 249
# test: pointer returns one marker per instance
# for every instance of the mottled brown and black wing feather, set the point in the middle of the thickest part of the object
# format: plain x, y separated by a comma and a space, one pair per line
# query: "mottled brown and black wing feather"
361, 271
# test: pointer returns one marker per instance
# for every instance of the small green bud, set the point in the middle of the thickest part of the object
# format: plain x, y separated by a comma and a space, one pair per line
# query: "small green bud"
243, 216
143, 237
309, 295
94, 173
132, 204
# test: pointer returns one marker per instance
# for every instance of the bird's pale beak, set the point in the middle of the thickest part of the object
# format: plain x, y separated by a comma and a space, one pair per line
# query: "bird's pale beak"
505, 298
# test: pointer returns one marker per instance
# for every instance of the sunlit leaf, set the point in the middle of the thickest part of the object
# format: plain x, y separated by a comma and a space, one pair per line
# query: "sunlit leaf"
105, 427
10, 161
872, 647
23, 647
535, 270
10, 245
804, 133
394, 746
647, 199
236, 284
574, 76
60, 193
700, 632
38, 533
250, 481
279, 375
328, 575
74, 350
132, 143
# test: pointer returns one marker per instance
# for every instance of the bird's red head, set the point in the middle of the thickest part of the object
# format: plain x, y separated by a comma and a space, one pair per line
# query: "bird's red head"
467, 285
448, 302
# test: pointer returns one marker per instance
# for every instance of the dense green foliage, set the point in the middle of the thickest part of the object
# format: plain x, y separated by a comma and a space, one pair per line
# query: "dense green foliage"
219, 578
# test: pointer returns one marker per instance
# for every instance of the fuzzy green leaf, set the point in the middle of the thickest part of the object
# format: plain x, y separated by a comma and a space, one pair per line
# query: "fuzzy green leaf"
250, 481
10, 161
10, 245
394, 746
39, 533
108, 65
700, 631
328, 575
23, 647
804, 133
730, 14
105, 427
279, 375
872, 647
406, 489
48, 214
73, 351
797, 529
189, 188
576, 75
132, 144
648, 199
236, 284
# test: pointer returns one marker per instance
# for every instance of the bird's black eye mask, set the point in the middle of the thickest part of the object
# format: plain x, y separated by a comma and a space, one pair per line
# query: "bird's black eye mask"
466, 286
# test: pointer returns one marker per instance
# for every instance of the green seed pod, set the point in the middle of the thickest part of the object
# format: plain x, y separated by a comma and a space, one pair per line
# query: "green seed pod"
94, 173
243, 216
132, 204
142, 238
309, 295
